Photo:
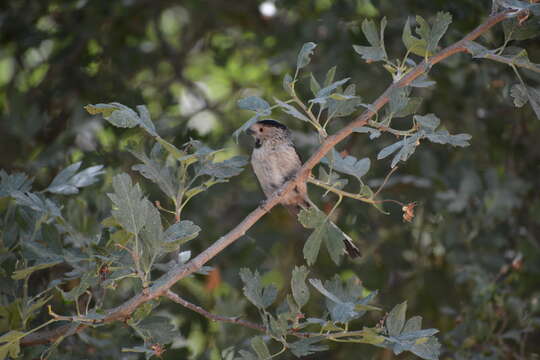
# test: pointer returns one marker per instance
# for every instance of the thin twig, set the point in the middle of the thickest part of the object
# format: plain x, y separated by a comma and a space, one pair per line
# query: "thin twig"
234, 320
161, 286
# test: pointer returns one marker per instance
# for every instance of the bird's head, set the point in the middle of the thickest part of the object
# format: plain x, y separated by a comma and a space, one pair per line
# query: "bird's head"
268, 131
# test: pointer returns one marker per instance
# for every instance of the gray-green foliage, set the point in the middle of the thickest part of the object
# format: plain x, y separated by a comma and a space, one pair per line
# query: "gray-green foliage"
54, 251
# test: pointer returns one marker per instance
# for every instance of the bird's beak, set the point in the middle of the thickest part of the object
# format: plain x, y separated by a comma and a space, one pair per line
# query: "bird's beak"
250, 132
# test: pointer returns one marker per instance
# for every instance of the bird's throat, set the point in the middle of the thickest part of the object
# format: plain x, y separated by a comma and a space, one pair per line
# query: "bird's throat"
258, 143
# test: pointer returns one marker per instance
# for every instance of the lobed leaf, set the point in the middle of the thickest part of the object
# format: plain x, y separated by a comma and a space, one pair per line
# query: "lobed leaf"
348, 165
260, 296
307, 346
68, 181
131, 208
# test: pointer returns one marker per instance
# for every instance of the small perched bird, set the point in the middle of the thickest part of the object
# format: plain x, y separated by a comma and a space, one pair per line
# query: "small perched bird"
275, 161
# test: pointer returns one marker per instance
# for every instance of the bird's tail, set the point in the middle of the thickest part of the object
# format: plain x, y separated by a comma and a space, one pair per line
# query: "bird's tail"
351, 249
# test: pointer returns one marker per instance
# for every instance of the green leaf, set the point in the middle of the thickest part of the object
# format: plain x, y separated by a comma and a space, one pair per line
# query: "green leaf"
427, 43
291, 110
246, 355
343, 104
333, 239
287, 83
313, 245
428, 122
306, 347
399, 98
278, 326
36, 202
390, 149
314, 84
225, 169
428, 349
156, 172
413, 324
152, 238
326, 231
131, 208
533, 97
407, 150
260, 296
68, 181
156, 329
9, 344
145, 120
122, 116
519, 94
87, 280
332, 178
324, 93
254, 103
340, 310
311, 218
443, 137
412, 106
14, 182
413, 44
348, 165
377, 51
304, 56
440, 26
33, 305
260, 348
246, 126
422, 82
373, 133
514, 29
396, 319
299, 288
179, 233
23, 273
330, 75
171, 149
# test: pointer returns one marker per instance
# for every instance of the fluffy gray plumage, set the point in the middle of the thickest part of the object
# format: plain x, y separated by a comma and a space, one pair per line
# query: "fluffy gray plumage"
275, 161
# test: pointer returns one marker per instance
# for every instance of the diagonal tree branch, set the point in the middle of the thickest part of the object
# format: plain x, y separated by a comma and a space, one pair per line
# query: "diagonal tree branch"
161, 286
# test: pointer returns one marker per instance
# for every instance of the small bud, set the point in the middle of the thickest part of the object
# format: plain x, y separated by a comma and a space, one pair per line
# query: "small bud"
408, 211
158, 349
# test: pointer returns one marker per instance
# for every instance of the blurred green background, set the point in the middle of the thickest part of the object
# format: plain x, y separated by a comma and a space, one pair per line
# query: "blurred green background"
190, 61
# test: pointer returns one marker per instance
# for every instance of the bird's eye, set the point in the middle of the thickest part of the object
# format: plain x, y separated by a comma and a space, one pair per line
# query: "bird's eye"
261, 129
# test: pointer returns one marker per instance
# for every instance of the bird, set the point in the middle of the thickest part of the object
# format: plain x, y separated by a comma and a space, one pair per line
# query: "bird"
275, 161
